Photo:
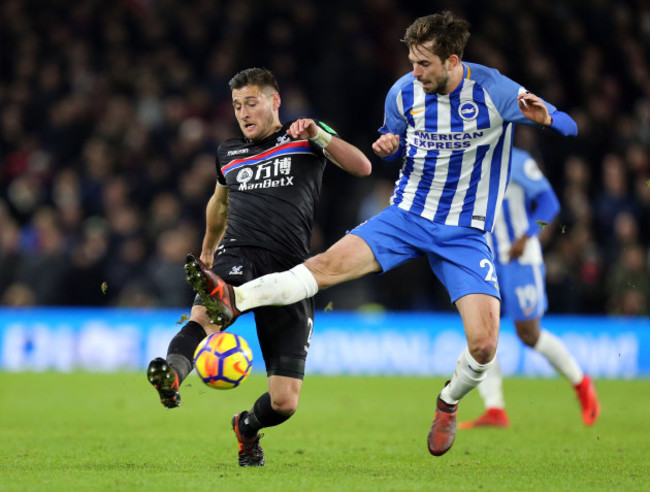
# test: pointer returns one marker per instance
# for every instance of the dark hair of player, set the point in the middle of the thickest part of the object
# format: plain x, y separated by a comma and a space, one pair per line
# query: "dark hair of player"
261, 77
448, 33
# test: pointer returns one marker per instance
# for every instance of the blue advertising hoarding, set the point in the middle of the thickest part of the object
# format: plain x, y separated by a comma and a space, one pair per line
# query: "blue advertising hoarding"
426, 344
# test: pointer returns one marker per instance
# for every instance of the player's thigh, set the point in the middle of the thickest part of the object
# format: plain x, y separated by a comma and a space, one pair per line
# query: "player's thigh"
383, 242
349, 258
284, 333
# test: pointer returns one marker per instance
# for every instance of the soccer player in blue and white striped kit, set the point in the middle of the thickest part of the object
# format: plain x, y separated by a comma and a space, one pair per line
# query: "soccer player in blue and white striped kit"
450, 124
528, 206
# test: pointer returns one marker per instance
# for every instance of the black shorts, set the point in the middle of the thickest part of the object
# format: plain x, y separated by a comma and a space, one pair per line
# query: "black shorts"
284, 332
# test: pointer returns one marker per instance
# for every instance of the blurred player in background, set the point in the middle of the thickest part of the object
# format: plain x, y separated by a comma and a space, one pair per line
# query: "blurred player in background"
528, 206
259, 220
450, 124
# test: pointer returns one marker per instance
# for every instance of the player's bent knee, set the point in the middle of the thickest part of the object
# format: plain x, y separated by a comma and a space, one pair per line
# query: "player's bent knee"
484, 350
528, 331
528, 339
285, 406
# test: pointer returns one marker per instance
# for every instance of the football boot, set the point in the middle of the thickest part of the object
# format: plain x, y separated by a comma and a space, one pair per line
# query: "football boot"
586, 392
217, 296
493, 417
443, 429
250, 451
163, 377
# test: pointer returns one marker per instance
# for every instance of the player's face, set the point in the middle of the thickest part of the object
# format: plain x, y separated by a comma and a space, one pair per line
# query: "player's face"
255, 111
429, 69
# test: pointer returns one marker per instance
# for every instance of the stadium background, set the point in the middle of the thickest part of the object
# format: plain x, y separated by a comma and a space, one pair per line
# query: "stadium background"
110, 113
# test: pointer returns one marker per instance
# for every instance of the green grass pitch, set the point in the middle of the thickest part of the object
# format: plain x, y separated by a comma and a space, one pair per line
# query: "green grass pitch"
109, 432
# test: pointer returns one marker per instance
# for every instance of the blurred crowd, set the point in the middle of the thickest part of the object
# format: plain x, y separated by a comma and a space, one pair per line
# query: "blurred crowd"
111, 112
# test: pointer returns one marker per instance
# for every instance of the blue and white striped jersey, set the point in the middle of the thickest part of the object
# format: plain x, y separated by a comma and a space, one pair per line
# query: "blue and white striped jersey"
517, 217
455, 147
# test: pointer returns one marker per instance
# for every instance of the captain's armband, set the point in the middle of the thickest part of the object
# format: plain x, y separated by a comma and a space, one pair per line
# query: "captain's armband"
322, 138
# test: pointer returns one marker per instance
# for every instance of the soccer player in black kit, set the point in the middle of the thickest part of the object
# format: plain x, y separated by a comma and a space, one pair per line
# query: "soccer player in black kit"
258, 221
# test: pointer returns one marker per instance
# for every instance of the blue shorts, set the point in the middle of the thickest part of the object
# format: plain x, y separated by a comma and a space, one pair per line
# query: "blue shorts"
522, 290
459, 256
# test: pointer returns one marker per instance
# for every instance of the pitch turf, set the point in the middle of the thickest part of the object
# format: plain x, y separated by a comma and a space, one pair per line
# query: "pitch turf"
110, 432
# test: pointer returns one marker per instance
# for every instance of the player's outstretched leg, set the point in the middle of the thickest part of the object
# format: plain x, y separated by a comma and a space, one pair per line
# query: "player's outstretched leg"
163, 377
250, 451
586, 392
443, 429
217, 296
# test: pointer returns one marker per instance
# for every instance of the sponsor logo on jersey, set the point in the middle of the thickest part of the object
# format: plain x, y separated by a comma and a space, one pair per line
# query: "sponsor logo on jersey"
236, 270
244, 175
283, 139
468, 110
450, 141
267, 183
237, 151
274, 173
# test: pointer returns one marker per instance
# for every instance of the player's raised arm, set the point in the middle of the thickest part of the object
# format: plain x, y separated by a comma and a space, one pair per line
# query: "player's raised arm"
534, 108
216, 213
345, 155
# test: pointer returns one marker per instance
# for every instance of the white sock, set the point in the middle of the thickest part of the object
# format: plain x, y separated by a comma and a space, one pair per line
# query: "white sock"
276, 289
491, 389
558, 356
467, 376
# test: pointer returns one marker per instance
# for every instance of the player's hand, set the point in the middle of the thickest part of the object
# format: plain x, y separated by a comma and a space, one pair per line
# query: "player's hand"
207, 258
386, 145
303, 129
533, 108
517, 248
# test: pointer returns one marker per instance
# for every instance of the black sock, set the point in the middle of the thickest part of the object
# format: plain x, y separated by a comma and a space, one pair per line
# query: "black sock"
260, 416
180, 353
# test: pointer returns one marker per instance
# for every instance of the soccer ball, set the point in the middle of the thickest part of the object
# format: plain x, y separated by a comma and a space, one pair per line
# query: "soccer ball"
223, 360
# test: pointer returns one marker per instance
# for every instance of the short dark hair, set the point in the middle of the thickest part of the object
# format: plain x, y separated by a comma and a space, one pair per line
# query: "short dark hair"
448, 32
261, 77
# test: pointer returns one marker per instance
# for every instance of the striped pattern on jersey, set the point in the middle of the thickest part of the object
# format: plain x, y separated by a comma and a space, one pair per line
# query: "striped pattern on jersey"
512, 223
457, 155
293, 147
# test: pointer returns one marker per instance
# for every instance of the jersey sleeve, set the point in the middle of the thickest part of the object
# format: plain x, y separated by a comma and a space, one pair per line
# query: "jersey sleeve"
221, 179
563, 123
394, 121
547, 206
504, 92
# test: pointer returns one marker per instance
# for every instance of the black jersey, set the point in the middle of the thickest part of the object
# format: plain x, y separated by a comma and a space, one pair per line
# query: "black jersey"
273, 189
